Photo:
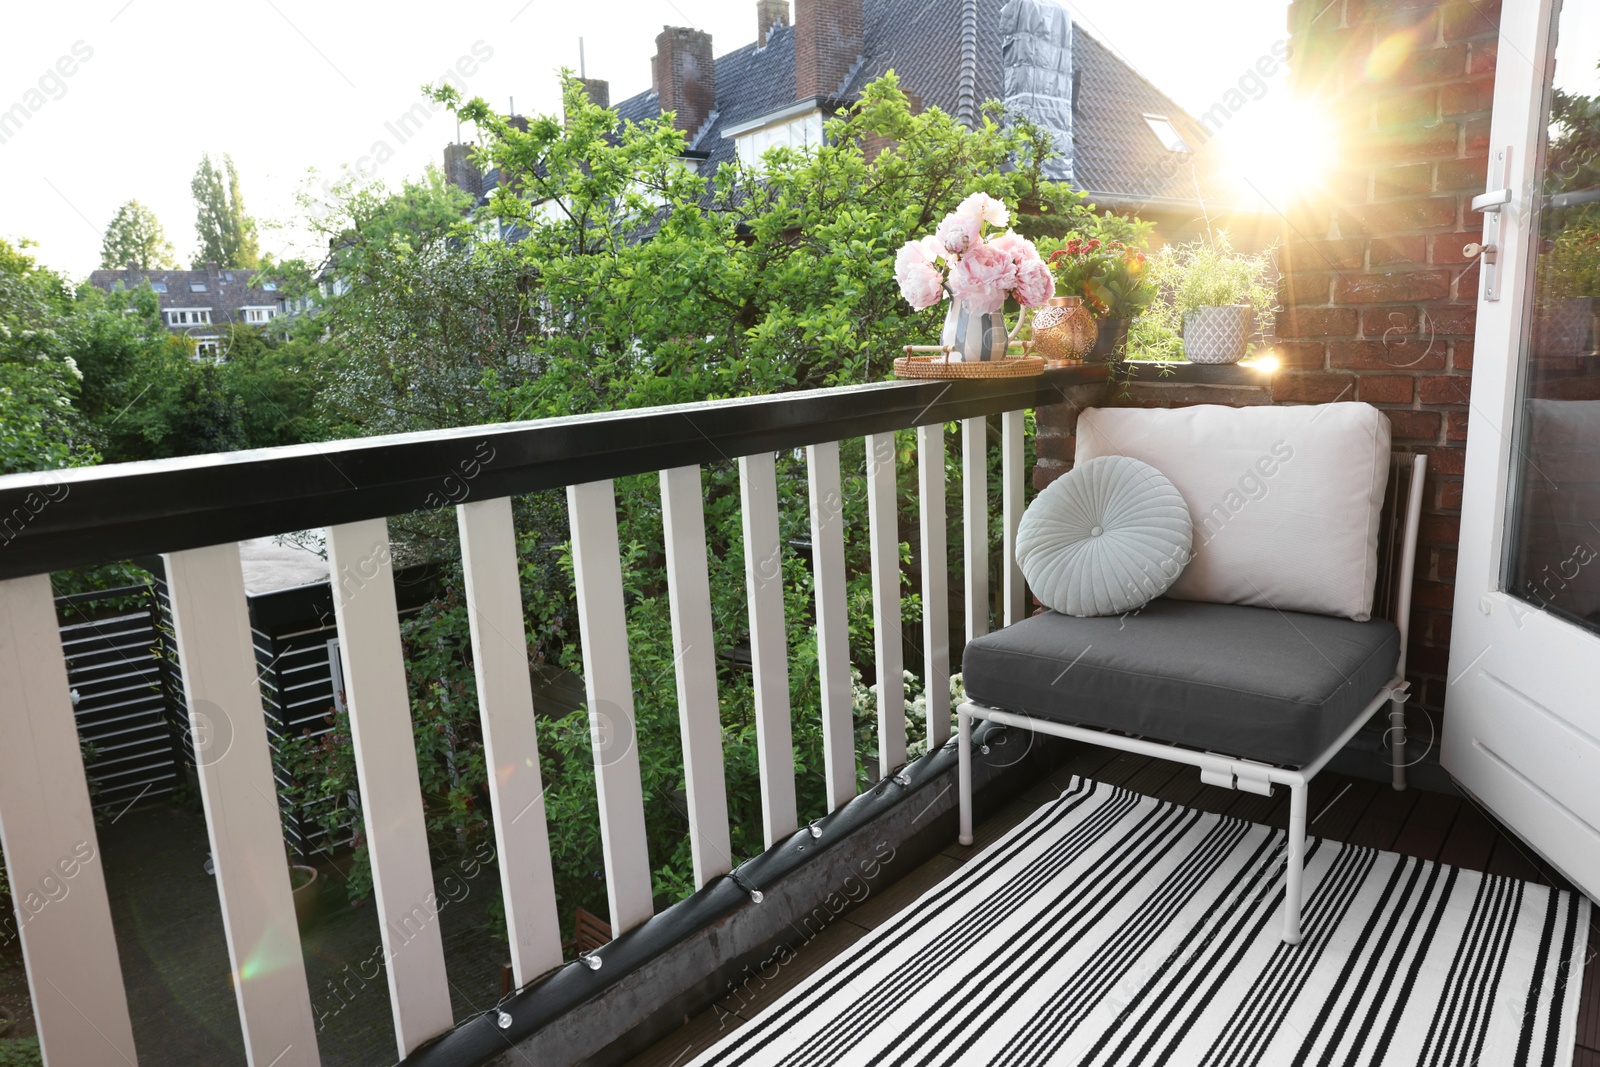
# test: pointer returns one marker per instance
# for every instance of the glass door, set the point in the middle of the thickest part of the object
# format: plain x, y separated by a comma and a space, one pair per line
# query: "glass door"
1521, 726
1553, 551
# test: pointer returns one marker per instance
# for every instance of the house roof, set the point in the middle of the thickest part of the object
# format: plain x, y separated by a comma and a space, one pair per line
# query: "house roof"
226, 291
1116, 155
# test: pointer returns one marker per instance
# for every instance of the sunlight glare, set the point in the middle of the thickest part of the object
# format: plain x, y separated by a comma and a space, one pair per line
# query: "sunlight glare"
1284, 149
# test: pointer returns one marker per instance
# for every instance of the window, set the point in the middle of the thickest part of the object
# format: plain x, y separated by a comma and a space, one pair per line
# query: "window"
1167, 133
205, 346
189, 317
271, 287
227, 275
197, 287
159, 287
259, 315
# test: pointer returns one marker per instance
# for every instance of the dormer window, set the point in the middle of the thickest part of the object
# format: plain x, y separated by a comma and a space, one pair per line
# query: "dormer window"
1167, 133
188, 316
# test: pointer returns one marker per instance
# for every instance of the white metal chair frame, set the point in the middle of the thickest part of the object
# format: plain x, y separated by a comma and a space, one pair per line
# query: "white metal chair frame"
1236, 773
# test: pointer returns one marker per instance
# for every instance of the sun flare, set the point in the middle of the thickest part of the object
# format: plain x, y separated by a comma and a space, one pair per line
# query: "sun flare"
1283, 151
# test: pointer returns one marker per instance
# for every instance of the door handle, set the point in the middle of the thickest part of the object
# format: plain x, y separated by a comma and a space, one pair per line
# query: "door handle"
1491, 201
1492, 204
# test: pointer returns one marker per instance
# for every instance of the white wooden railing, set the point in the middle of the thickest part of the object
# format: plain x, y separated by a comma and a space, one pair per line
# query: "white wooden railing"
181, 507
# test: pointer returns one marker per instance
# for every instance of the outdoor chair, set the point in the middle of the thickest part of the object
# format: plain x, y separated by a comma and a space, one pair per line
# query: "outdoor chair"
1254, 695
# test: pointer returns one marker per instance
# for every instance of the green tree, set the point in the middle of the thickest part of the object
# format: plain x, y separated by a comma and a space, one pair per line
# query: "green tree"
135, 236
144, 394
40, 427
227, 233
636, 281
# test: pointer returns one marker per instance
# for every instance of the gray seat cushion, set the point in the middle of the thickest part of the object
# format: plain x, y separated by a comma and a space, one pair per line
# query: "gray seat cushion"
1257, 683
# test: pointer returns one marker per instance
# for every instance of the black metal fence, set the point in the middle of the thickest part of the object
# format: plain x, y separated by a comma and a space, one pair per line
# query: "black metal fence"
124, 695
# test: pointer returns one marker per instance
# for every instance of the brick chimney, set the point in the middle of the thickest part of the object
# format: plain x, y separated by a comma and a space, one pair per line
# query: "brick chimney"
598, 90
685, 76
828, 38
460, 171
770, 13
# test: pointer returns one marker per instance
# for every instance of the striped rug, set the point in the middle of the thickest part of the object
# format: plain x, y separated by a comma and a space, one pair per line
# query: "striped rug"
1111, 928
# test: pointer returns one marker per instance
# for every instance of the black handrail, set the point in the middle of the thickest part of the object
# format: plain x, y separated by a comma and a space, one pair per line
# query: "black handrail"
55, 520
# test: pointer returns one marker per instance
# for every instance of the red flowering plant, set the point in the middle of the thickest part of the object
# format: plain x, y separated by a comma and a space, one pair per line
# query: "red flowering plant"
1111, 276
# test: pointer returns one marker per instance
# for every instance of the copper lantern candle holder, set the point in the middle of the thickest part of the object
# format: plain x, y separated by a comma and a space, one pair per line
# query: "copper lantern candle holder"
1064, 331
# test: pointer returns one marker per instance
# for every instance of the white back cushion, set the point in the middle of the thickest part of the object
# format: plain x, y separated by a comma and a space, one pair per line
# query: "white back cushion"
1285, 500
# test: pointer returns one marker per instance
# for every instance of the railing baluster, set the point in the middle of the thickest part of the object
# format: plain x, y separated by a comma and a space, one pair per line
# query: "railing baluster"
883, 524
769, 645
1011, 475
510, 740
47, 833
935, 583
216, 655
975, 522
833, 622
608, 682
386, 768
683, 520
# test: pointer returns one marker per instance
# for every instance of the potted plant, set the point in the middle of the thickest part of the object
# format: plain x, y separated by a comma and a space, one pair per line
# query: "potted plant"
978, 271
1213, 296
304, 884
1112, 279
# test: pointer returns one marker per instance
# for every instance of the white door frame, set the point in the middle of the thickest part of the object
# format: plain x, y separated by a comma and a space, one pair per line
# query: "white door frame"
1522, 715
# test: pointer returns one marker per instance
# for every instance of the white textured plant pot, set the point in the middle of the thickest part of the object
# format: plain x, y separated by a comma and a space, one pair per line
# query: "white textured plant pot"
1217, 334
973, 337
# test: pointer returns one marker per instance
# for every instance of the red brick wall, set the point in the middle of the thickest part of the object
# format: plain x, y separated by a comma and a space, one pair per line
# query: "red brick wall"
1380, 304
828, 38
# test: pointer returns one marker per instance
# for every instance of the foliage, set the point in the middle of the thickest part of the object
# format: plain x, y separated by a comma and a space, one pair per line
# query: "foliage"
20, 1052
39, 378
1205, 273
1111, 276
145, 396
1572, 160
636, 281
226, 232
1569, 263
359, 221
135, 236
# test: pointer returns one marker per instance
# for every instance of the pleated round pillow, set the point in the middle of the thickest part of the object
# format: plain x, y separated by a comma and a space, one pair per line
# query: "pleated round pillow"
1107, 537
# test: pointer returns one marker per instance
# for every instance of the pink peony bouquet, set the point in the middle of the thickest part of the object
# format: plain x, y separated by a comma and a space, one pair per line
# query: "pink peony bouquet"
983, 271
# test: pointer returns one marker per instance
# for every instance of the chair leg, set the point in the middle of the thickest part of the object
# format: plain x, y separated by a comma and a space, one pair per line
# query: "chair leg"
964, 775
1296, 864
1397, 741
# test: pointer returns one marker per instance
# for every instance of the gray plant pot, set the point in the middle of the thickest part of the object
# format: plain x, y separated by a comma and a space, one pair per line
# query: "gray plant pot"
1217, 334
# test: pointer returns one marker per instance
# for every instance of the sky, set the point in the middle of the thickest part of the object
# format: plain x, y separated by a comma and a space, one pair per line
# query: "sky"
134, 91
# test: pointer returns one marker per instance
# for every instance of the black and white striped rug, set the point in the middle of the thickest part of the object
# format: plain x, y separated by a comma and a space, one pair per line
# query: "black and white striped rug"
1111, 928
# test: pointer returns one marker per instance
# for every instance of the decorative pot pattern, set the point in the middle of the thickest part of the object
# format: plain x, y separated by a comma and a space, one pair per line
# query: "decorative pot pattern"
1064, 331
1217, 334
973, 337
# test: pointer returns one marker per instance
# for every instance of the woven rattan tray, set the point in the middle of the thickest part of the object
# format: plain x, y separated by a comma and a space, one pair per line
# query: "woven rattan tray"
933, 361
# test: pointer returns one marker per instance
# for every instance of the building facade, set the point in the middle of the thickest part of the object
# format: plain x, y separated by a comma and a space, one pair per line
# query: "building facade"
200, 304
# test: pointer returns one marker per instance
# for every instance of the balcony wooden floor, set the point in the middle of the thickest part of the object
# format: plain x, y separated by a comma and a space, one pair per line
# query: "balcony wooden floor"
1434, 826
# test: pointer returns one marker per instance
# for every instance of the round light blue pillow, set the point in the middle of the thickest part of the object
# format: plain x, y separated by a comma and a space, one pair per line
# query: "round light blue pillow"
1108, 536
